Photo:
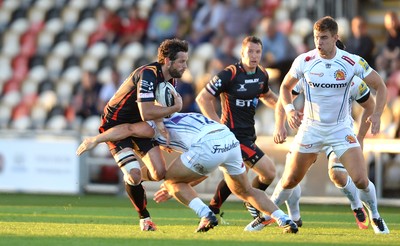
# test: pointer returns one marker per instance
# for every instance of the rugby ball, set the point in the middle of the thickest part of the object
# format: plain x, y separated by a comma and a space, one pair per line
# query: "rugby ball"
164, 94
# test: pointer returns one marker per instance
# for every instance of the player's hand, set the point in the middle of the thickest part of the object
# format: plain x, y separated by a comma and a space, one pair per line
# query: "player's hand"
162, 195
163, 130
167, 149
178, 102
375, 121
294, 118
280, 134
87, 144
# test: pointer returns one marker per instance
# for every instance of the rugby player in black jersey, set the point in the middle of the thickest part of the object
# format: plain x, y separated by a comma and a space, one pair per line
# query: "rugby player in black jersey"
240, 87
133, 102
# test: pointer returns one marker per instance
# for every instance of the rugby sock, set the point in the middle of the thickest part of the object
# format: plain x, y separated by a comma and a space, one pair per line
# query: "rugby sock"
258, 185
280, 217
293, 203
350, 190
368, 196
199, 207
280, 194
221, 194
137, 195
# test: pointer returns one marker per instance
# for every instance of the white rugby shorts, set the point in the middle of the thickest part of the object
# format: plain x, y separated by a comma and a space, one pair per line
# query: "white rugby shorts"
218, 148
313, 139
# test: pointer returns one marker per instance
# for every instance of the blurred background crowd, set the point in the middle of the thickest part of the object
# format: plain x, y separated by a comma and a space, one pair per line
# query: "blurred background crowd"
62, 60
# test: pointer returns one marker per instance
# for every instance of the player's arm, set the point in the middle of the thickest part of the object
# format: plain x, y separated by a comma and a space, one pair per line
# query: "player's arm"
280, 133
373, 80
293, 116
270, 99
140, 129
150, 110
208, 104
368, 107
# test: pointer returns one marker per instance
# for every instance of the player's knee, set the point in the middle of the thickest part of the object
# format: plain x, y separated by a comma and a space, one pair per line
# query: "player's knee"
338, 177
158, 174
361, 182
290, 182
134, 177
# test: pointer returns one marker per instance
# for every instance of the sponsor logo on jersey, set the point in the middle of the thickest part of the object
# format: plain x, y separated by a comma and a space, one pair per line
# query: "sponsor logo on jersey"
199, 168
317, 74
222, 149
340, 75
146, 85
362, 88
241, 88
216, 81
325, 85
146, 95
328, 65
250, 81
351, 139
307, 146
309, 58
364, 64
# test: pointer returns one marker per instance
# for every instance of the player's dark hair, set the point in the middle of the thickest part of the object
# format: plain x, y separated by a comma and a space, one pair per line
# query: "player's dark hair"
340, 44
326, 23
252, 39
170, 48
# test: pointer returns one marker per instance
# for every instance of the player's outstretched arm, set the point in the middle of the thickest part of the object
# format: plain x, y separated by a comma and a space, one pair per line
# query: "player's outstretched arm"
140, 129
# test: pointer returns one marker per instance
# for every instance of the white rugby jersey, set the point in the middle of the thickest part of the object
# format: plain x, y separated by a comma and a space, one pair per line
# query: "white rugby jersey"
358, 90
186, 129
327, 84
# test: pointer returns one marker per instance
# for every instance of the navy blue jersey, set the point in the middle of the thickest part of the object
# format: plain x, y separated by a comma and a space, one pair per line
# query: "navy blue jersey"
240, 92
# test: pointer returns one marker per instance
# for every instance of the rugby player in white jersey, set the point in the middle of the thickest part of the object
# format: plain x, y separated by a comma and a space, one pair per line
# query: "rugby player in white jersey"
205, 145
328, 72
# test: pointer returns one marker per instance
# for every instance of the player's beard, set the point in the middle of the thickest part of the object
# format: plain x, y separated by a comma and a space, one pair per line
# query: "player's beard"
175, 73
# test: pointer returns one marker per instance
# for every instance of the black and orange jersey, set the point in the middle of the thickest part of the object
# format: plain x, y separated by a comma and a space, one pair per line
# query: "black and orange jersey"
139, 86
240, 92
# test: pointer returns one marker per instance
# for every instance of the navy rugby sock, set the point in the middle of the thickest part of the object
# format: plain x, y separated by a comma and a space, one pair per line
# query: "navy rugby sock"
221, 194
137, 195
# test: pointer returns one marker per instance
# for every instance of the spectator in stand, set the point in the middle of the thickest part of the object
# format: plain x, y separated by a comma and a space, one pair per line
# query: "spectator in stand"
163, 22
278, 52
361, 43
109, 89
392, 46
134, 27
207, 21
225, 51
393, 81
241, 19
86, 95
109, 29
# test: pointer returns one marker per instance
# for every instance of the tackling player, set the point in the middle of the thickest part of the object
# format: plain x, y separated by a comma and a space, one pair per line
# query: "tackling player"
205, 145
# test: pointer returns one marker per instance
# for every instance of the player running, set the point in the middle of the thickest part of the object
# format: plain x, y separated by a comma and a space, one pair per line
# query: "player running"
328, 72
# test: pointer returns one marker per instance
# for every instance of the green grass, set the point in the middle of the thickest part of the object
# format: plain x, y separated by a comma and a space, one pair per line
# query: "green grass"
110, 220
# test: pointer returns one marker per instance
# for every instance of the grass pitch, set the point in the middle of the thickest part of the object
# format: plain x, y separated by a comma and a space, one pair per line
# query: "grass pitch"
110, 220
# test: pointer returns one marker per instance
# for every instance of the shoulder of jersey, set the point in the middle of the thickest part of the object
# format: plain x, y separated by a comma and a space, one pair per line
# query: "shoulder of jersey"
164, 94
